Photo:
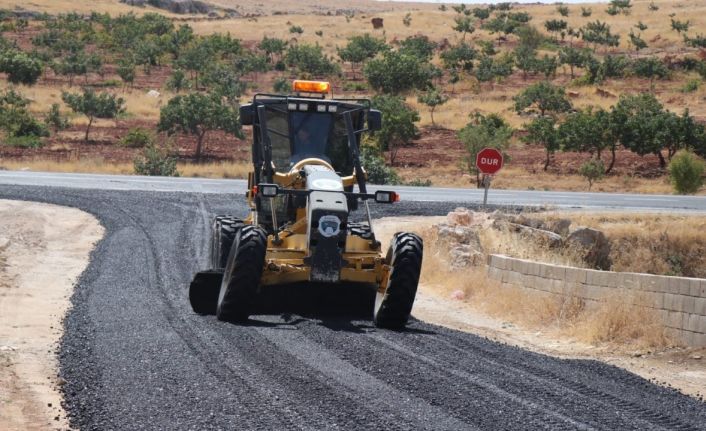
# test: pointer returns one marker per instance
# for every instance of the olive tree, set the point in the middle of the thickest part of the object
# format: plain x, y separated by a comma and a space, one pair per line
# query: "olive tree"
544, 96
197, 114
432, 98
20, 67
94, 105
398, 126
397, 73
542, 131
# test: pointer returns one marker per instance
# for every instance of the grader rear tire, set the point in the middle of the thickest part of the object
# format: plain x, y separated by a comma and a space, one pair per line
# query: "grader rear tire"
242, 275
394, 305
225, 228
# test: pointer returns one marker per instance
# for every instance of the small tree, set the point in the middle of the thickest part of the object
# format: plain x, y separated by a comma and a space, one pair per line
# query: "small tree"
651, 68
680, 26
273, 48
398, 126
418, 46
310, 59
584, 130
563, 10
397, 73
555, 26
295, 29
177, 81
459, 57
94, 105
593, 170
197, 114
586, 12
21, 127
543, 95
432, 98
636, 41
573, 57
407, 20
483, 131
464, 25
361, 49
618, 6
126, 71
20, 67
481, 13
639, 124
55, 120
598, 33
542, 131
686, 173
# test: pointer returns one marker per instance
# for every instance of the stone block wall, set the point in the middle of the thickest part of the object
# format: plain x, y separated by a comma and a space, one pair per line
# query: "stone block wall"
680, 301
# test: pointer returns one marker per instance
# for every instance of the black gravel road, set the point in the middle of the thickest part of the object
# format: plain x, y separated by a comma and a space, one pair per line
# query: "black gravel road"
135, 357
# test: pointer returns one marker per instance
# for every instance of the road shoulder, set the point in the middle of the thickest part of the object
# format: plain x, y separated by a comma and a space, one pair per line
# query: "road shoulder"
43, 250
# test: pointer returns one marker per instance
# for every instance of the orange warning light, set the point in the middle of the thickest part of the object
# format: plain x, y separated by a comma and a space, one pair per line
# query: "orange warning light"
311, 86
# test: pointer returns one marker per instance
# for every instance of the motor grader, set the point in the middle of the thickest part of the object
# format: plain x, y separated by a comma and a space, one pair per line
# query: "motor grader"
307, 179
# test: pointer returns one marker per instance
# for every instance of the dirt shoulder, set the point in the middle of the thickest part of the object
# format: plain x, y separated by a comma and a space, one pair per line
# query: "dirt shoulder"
43, 250
683, 369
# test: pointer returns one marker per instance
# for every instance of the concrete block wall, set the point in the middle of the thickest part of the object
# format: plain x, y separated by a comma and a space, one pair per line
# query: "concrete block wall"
679, 301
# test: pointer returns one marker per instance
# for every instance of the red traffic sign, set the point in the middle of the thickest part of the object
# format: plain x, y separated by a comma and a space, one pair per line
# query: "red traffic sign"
489, 161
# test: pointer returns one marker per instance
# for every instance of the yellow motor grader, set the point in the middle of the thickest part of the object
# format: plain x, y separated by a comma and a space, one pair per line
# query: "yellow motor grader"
301, 192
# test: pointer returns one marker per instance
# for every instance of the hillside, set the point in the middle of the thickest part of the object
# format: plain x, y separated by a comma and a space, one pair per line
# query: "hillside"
330, 24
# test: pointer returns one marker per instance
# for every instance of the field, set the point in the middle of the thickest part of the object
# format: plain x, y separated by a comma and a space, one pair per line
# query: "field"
435, 154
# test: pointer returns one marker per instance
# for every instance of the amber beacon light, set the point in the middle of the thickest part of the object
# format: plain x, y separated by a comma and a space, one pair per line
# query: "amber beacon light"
311, 86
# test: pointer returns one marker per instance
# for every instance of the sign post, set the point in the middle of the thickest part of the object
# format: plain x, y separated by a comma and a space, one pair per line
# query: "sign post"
488, 161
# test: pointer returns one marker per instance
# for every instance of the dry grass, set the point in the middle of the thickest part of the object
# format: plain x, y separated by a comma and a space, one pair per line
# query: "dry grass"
651, 243
516, 245
138, 103
616, 320
100, 166
513, 177
215, 170
113, 7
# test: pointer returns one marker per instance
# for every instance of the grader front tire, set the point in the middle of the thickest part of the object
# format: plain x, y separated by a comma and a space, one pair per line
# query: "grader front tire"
242, 275
394, 305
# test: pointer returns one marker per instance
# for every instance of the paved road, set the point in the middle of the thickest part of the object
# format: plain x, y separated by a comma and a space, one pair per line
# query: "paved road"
134, 356
608, 201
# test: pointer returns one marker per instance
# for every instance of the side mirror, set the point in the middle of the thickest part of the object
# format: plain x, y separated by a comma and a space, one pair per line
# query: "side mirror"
246, 114
385, 197
268, 190
374, 120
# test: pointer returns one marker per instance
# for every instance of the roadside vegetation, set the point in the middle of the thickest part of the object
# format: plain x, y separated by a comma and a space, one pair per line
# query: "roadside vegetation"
592, 94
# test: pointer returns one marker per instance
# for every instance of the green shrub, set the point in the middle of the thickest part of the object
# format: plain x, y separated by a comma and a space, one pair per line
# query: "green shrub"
691, 86
155, 161
55, 120
686, 173
137, 138
374, 165
282, 86
593, 170
29, 141
354, 86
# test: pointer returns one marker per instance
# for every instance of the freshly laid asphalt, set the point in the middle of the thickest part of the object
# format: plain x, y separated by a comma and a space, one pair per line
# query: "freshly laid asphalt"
135, 357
